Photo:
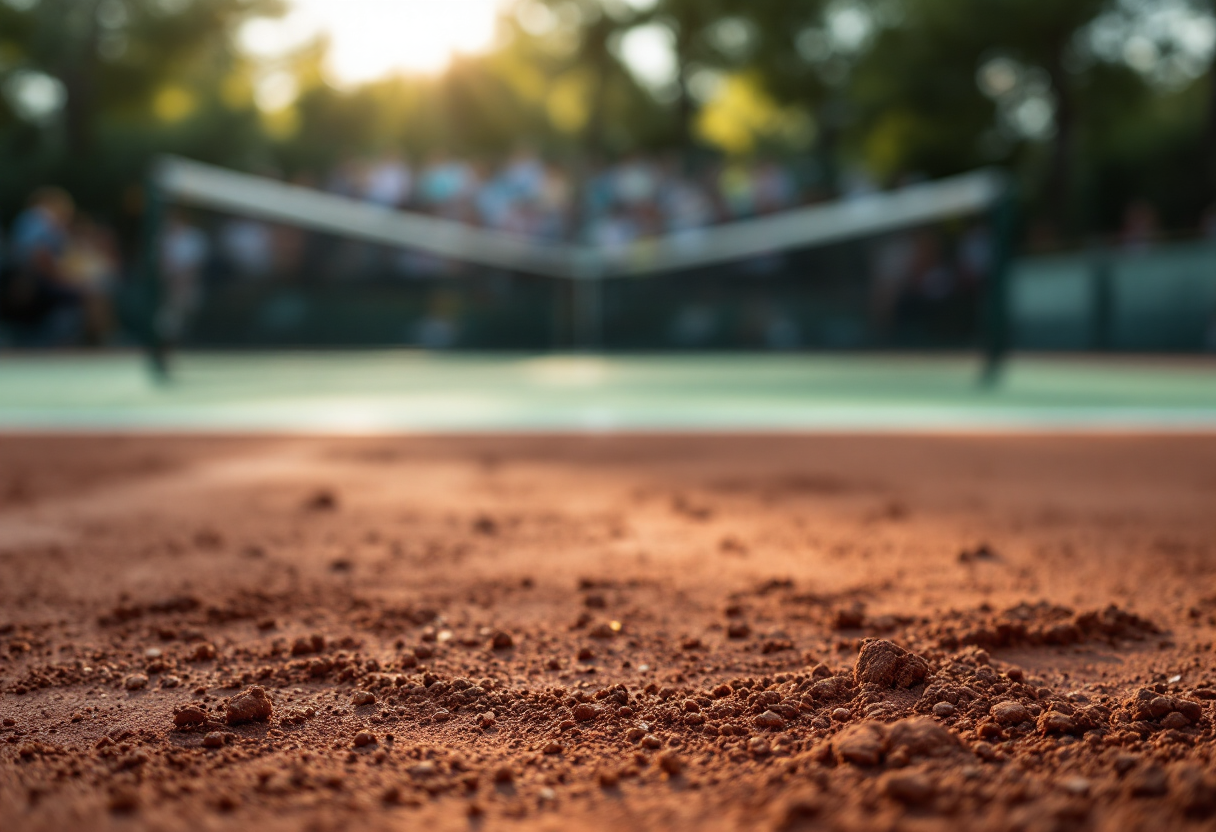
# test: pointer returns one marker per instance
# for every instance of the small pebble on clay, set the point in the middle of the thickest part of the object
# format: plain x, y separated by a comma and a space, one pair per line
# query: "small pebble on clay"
769, 719
887, 665
251, 706
911, 787
1010, 713
189, 715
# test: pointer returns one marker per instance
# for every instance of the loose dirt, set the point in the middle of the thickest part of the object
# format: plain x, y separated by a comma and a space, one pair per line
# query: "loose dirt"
711, 633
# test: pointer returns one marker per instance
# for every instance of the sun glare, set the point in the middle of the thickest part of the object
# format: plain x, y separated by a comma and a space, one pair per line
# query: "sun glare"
373, 38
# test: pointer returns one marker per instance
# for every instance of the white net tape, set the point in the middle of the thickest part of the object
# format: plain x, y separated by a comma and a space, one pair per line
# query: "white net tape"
198, 185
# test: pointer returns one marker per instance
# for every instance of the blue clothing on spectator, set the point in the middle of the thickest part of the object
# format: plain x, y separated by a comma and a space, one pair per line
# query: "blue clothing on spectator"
34, 232
43, 311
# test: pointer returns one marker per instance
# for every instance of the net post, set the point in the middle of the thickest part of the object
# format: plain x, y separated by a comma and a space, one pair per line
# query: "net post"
149, 283
997, 319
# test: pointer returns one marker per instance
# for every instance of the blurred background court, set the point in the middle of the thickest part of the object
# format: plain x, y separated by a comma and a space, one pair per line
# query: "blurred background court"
599, 214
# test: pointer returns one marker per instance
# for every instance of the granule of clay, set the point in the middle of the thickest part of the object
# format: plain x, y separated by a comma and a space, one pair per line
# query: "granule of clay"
321, 500
913, 788
202, 652
1010, 713
1057, 723
1147, 782
1195, 789
862, 744
189, 715
769, 719
887, 665
251, 706
921, 737
671, 763
123, 800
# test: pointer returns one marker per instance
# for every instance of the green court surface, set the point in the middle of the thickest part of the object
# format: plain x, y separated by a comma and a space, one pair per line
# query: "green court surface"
381, 392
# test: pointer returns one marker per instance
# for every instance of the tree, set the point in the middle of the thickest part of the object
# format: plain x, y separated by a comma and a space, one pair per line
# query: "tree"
114, 60
918, 85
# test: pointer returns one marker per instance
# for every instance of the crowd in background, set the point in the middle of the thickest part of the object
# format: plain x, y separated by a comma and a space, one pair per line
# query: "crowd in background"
615, 204
59, 268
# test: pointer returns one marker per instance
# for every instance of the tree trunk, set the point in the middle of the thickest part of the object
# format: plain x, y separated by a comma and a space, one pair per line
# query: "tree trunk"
1059, 176
685, 114
1209, 145
694, 21
78, 68
591, 145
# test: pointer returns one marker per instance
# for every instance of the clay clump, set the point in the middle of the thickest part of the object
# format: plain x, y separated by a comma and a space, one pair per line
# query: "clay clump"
885, 664
251, 706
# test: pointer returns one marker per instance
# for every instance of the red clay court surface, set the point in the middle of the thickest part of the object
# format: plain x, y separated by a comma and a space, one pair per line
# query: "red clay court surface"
612, 632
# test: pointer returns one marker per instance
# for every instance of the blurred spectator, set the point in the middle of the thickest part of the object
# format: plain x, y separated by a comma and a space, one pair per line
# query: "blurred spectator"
447, 187
775, 188
737, 189
184, 252
976, 254
893, 269
246, 245
37, 296
91, 268
686, 206
388, 182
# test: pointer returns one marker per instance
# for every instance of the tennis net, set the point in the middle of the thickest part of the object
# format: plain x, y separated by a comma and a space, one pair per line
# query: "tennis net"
247, 261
